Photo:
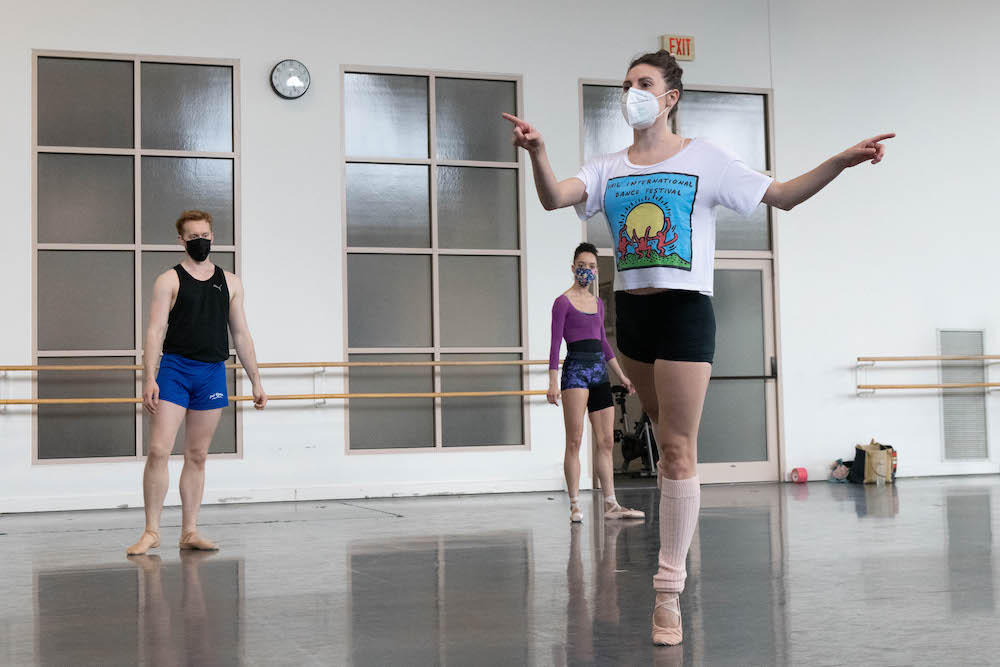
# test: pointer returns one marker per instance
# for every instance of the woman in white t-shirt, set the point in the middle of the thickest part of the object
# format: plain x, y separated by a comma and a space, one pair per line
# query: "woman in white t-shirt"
659, 196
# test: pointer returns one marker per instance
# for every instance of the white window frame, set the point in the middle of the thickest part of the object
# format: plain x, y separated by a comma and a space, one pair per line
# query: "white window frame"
435, 253
137, 247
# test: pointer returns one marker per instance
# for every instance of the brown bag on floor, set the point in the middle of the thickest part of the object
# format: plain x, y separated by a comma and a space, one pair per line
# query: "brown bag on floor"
873, 462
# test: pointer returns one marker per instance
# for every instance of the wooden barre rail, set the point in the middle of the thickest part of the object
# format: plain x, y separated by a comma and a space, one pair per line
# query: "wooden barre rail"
942, 357
971, 385
291, 364
281, 397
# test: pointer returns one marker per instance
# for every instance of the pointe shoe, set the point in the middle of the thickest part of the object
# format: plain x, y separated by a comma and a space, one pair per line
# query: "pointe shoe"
668, 635
575, 513
144, 544
195, 541
619, 512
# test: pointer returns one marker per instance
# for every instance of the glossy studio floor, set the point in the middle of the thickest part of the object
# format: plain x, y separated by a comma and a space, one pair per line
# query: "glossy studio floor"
817, 574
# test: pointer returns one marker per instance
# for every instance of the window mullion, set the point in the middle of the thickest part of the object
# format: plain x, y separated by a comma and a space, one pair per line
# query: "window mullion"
435, 256
137, 217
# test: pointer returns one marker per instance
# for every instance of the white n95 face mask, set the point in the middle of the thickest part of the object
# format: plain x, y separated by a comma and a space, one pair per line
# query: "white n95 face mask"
640, 108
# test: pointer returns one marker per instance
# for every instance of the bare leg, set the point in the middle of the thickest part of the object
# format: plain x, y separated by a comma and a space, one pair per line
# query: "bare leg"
680, 388
156, 476
673, 395
603, 423
574, 410
199, 430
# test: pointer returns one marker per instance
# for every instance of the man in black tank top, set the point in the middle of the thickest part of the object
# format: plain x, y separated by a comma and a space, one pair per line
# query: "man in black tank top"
192, 306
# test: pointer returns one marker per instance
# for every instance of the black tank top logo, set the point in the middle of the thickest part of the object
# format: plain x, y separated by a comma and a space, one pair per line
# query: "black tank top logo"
197, 325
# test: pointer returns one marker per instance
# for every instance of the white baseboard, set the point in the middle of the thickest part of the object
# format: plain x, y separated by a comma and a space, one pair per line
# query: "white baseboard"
929, 469
124, 500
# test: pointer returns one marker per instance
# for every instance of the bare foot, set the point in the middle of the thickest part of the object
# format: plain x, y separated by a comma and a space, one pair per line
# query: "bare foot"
193, 540
149, 540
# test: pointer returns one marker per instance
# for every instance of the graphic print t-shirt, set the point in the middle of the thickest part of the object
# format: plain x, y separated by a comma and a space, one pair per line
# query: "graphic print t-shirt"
662, 216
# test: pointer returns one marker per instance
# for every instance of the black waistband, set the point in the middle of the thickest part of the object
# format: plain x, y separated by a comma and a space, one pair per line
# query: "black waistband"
584, 346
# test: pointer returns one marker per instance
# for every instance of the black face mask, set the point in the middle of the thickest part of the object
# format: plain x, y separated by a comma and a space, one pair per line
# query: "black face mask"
199, 249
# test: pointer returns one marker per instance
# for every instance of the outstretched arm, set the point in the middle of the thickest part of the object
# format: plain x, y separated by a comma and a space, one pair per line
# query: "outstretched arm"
552, 193
244, 342
790, 194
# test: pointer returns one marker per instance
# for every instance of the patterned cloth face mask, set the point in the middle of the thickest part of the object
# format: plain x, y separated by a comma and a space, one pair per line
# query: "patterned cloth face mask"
585, 276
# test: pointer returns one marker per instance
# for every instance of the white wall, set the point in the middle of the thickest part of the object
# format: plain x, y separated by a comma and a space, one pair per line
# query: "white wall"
887, 255
298, 451
867, 267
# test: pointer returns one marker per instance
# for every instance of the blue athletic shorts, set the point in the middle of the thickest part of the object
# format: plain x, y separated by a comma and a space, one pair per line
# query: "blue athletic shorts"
195, 385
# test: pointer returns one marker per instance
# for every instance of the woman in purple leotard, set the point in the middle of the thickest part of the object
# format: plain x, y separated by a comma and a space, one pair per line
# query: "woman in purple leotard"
578, 317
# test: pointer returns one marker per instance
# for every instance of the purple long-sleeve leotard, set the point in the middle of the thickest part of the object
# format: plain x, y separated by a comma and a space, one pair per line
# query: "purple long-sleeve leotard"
571, 324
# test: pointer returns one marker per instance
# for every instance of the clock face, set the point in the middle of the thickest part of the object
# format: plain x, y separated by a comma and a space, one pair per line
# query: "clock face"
290, 79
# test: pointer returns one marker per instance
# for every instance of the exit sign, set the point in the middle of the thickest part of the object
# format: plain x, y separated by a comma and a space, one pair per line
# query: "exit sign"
682, 46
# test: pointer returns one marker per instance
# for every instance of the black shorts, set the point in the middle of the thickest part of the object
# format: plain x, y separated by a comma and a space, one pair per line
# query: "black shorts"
677, 325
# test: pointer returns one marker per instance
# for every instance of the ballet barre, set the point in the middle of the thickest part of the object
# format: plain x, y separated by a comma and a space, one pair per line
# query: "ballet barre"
283, 397
318, 397
288, 364
868, 389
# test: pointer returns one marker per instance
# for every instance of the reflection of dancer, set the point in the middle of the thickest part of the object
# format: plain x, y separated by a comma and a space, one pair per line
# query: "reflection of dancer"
587, 635
155, 616
666, 326
191, 306
199, 644
579, 629
578, 316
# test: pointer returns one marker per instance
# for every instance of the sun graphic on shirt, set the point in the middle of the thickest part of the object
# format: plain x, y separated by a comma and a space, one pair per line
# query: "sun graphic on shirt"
643, 216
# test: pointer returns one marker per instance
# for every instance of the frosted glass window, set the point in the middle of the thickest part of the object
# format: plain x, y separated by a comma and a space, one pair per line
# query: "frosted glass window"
734, 422
171, 185
389, 423
734, 121
598, 231
739, 315
480, 301
85, 198
386, 115
86, 300
604, 128
469, 125
187, 107
477, 208
388, 206
389, 300
734, 232
81, 431
488, 420
85, 102
604, 131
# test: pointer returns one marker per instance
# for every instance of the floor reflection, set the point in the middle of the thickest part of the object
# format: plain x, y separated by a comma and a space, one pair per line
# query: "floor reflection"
144, 612
441, 600
849, 575
970, 550
734, 604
